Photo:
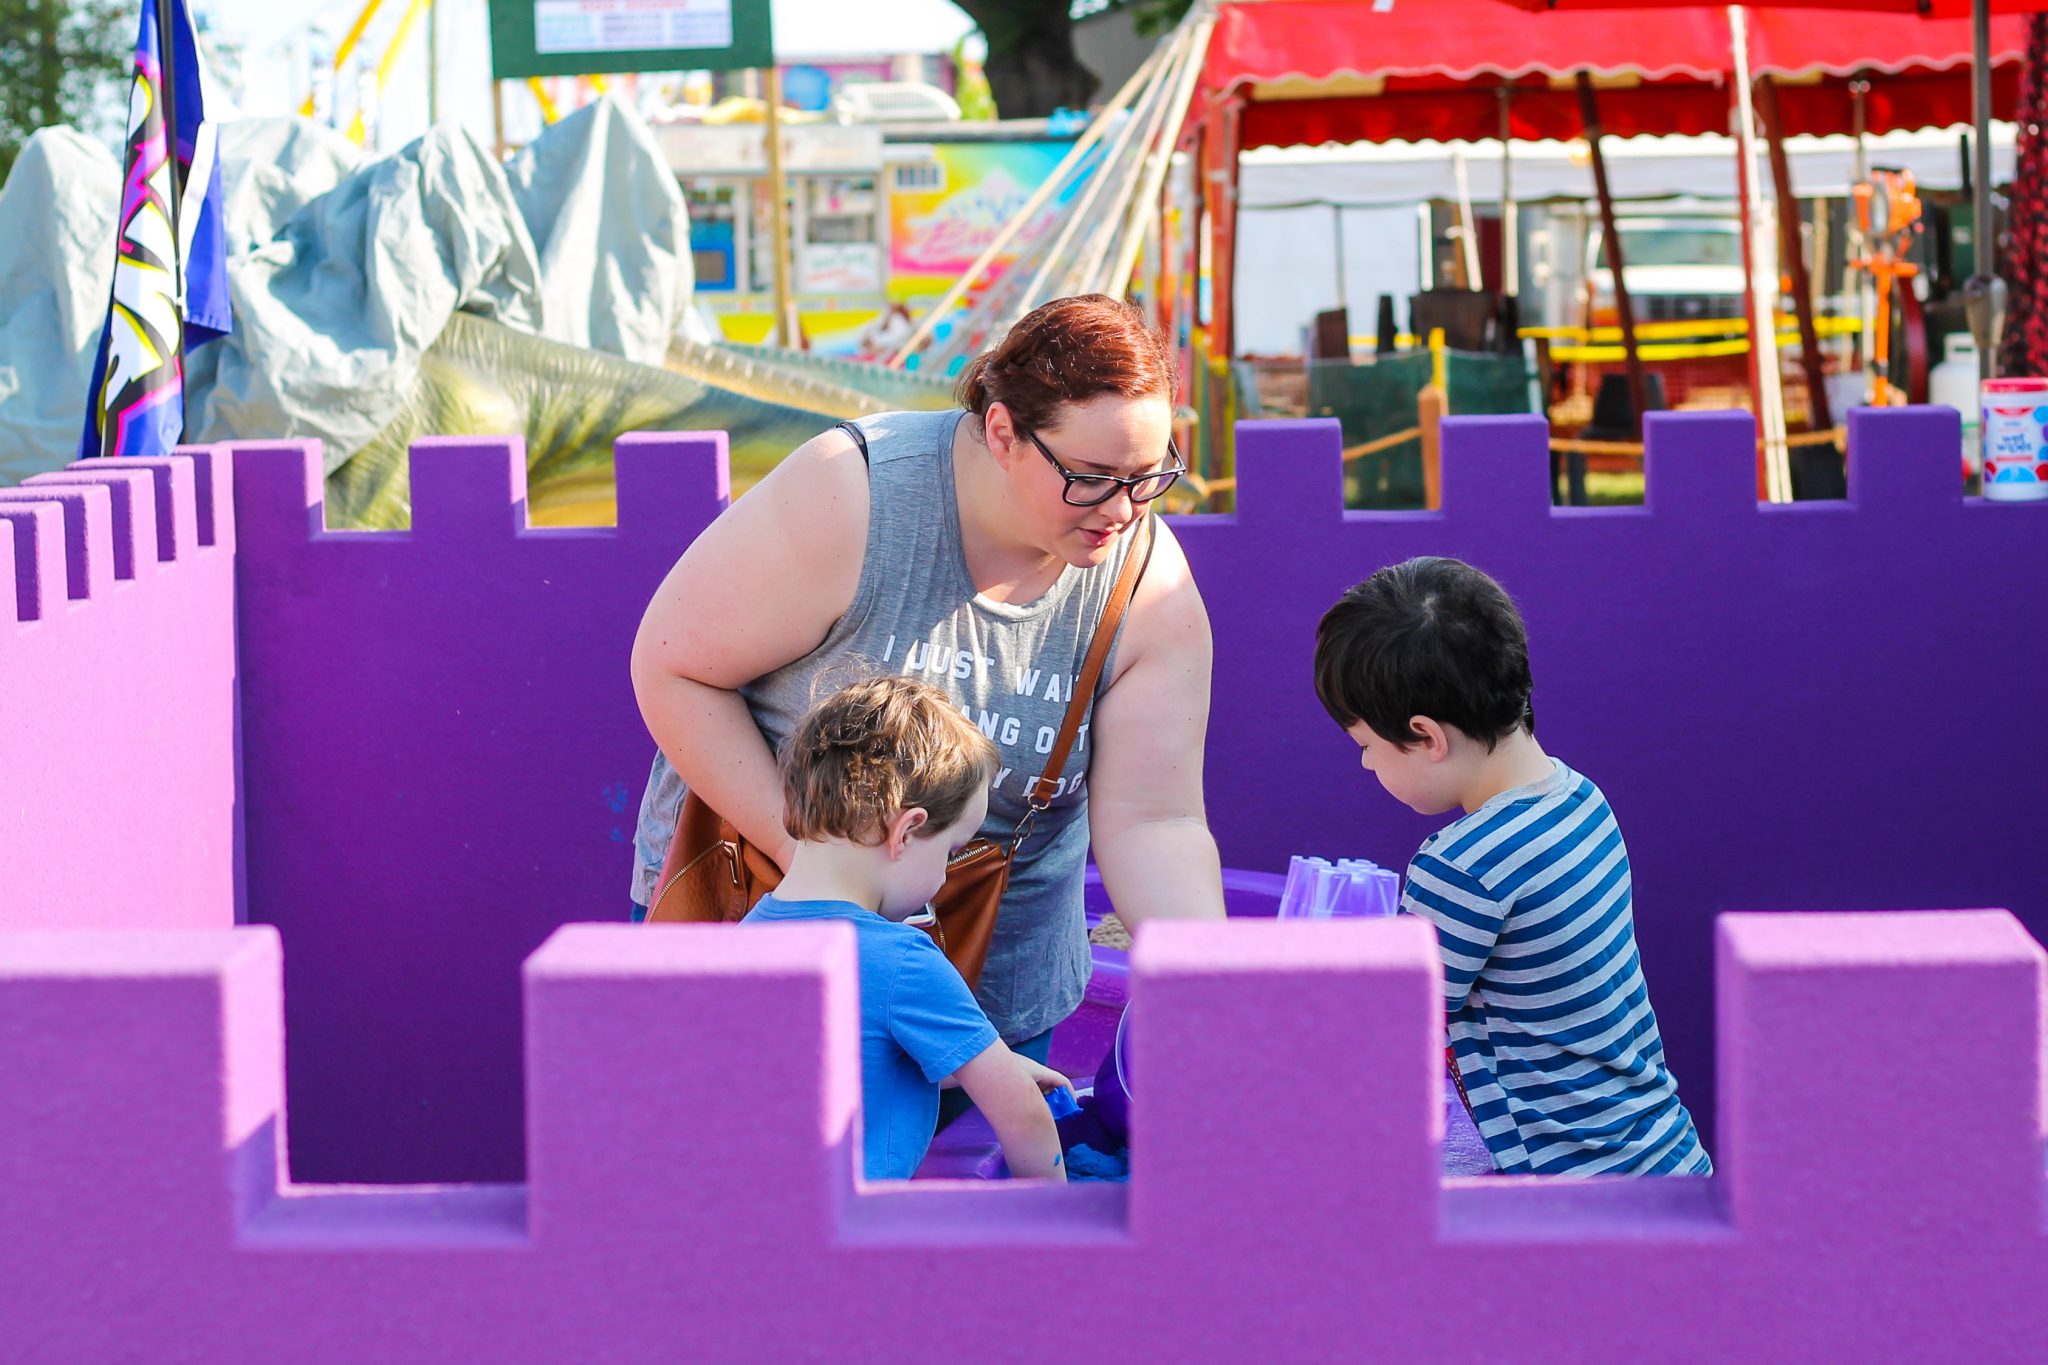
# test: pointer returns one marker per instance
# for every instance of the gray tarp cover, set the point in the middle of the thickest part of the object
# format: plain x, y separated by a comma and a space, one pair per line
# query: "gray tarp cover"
56, 214
344, 271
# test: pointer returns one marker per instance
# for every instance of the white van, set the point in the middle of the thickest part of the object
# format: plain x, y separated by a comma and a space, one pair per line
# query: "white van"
1681, 268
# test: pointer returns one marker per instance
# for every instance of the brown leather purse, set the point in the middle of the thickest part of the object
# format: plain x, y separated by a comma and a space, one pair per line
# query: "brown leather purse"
713, 875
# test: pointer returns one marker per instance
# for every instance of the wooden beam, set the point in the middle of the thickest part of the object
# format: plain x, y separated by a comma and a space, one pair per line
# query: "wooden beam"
1226, 128
1429, 416
1589, 118
788, 332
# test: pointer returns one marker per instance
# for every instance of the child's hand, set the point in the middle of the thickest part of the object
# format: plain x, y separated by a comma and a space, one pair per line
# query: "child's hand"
1045, 1077
1005, 1087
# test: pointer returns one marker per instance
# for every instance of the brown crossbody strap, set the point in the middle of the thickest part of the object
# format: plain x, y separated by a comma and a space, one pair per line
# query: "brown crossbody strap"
1091, 673
1091, 668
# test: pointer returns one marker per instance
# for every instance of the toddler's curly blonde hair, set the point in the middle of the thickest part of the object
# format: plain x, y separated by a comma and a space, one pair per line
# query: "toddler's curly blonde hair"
878, 747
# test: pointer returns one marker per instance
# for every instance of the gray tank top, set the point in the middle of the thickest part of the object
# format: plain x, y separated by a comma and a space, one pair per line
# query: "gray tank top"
1010, 667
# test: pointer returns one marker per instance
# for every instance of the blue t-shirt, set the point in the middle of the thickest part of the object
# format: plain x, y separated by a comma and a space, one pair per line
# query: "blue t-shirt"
918, 1025
1550, 1019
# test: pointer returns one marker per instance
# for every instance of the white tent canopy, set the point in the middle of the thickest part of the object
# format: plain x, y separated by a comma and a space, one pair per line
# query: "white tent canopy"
1295, 202
1638, 168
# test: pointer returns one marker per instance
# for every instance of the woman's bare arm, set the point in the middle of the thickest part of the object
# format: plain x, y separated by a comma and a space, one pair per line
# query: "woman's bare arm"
758, 589
1145, 815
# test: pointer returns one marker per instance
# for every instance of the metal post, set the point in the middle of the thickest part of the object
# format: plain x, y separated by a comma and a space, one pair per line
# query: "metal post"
433, 62
1337, 240
1510, 228
1983, 289
1425, 232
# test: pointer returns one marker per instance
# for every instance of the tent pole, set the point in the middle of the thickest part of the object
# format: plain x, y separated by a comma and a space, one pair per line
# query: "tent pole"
1069, 165
1146, 204
1589, 118
1468, 223
1763, 276
1125, 145
1149, 201
1082, 267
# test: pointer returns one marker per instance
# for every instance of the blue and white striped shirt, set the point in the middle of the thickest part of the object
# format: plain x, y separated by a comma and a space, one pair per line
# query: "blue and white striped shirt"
1550, 1021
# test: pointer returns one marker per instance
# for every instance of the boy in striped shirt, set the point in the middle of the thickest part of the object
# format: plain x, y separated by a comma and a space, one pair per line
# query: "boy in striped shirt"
1426, 666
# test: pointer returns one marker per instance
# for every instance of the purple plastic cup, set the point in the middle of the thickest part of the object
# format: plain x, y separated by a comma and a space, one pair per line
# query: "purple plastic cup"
1113, 1083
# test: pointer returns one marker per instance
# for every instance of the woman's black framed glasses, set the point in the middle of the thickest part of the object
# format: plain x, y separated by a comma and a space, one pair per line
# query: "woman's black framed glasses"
1092, 490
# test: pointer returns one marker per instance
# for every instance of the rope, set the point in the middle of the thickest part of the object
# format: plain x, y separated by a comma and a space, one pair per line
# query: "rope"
1702, 327
1375, 446
1205, 489
1576, 447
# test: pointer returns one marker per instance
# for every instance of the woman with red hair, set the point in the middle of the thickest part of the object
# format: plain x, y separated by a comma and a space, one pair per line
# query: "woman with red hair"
974, 548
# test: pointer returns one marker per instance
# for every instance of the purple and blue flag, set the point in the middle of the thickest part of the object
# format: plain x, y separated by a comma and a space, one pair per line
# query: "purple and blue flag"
170, 267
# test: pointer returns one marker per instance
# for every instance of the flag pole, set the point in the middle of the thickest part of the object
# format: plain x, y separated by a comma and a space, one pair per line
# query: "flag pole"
167, 77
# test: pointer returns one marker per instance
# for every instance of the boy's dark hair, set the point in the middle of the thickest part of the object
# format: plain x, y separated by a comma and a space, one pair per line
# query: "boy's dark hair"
1431, 637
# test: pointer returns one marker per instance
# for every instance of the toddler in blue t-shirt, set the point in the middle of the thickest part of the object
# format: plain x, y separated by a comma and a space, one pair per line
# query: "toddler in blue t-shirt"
882, 783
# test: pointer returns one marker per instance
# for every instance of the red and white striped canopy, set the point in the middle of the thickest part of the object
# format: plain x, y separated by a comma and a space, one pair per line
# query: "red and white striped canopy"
1928, 9
1319, 71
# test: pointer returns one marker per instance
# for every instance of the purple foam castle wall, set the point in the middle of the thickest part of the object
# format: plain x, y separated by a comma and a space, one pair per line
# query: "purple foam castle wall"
692, 1121
447, 761
1815, 706
118, 696
1794, 707
1777, 699
1791, 707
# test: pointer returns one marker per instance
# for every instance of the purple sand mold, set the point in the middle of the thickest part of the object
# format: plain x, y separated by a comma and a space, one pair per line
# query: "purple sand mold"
1113, 1082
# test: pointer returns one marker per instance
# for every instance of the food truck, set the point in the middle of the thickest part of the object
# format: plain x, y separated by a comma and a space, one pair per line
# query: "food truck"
883, 217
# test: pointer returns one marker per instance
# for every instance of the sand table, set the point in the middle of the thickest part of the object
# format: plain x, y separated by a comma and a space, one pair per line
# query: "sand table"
1111, 933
